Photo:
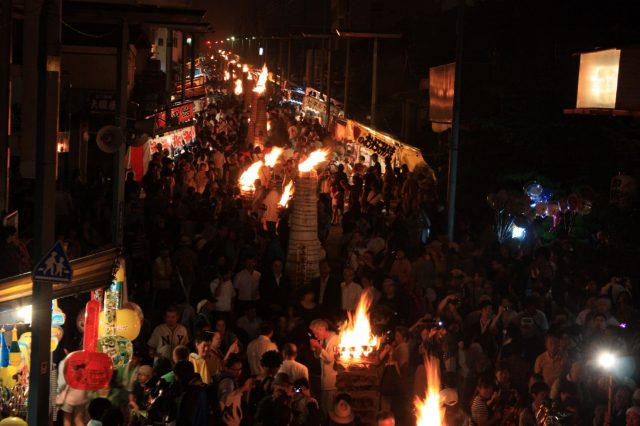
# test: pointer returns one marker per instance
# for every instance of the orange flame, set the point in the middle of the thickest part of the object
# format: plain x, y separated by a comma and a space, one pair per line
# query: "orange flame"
271, 158
248, 178
245, 68
428, 411
238, 89
227, 76
315, 158
261, 85
288, 192
357, 341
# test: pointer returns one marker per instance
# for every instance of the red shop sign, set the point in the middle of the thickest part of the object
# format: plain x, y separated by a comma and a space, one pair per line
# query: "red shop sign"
184, 113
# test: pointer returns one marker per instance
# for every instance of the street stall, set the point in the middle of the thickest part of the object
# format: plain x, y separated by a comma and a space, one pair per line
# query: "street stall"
360, 140
103, 270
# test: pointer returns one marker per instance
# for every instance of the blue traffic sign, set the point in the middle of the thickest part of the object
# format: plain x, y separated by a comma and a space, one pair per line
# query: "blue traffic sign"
54, 266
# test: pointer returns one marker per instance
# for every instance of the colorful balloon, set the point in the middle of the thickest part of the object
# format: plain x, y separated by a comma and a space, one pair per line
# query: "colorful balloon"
58, 317
4, 350
541, 209
88, 369
6, 375
24, 343
13, 421
117, 348
136, 308
533, 190
15, 359
127, 324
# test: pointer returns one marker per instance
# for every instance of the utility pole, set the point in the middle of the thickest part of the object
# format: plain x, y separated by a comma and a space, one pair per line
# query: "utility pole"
347, 71
374, 72
289, 60
192, 70
119, 156
455, 125
47, 111
329, 83
5, 101
374, 82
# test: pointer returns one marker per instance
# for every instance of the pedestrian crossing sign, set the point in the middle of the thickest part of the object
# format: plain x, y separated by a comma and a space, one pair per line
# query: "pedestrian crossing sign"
54, 267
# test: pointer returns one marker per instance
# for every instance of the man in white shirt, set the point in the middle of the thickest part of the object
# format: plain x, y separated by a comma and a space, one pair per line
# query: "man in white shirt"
350, 291
324, 346
247, 284
290, 366
270, 205
222, 290
258, 346
167, 336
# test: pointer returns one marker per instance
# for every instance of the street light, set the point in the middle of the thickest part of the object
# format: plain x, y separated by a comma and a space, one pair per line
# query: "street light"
189, 40
607, 360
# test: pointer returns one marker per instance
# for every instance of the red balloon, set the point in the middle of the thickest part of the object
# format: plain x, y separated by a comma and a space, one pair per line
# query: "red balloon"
88, 369
91, 320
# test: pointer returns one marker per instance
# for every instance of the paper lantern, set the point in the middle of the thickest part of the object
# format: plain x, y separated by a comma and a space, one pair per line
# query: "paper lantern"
127, 324
13, 421
88, 369
15, 359
117, 348
4, 350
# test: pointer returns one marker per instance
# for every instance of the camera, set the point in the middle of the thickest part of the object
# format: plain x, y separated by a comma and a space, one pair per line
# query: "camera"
297, 389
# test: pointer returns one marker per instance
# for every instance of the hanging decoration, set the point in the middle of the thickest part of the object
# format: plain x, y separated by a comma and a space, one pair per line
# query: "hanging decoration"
4, 350
127, 324
15, 359
117, 347
88, 369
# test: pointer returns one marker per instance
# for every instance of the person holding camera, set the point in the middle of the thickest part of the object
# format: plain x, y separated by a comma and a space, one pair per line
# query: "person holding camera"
306, 410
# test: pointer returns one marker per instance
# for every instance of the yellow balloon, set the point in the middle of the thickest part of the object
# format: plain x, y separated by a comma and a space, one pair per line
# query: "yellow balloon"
6, 375
13, 421
127, 324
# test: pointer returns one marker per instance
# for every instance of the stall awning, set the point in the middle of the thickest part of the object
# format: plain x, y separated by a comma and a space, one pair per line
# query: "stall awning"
89, 272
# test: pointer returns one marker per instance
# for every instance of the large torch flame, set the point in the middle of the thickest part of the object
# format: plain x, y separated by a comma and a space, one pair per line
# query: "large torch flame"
238, 89
261, 85
248, 178
428, 411
357, 341
315, 158
288, 191
271, 158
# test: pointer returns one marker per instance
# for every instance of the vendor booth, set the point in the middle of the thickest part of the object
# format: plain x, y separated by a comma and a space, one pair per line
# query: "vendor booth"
103, 333
361, 140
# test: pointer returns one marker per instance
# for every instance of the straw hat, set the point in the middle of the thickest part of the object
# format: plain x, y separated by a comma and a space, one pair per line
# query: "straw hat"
341, 413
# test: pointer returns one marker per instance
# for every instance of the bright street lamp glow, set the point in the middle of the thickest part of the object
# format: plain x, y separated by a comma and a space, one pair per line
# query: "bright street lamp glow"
606, 360
260, 51
189, 40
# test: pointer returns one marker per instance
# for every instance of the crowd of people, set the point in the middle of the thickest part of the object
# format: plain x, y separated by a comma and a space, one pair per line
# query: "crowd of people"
515, 331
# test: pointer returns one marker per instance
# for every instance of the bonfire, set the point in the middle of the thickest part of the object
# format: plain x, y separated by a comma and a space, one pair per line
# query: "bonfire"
429, 411
357, 342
